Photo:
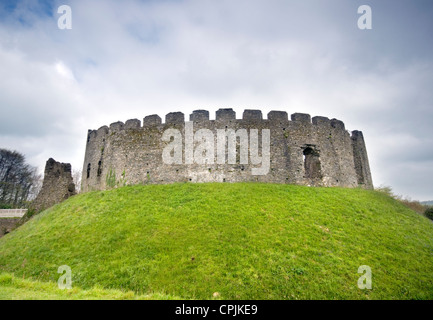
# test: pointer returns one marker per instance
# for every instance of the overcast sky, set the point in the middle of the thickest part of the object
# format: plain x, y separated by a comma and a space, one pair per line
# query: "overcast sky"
128, 59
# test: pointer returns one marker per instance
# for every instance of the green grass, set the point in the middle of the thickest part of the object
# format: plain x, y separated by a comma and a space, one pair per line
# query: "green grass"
12, 288
244, 241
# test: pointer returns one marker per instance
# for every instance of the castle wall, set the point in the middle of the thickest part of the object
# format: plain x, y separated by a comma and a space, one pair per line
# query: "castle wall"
304, 151
56, 187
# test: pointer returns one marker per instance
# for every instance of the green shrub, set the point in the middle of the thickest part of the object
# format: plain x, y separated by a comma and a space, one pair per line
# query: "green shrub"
429, 213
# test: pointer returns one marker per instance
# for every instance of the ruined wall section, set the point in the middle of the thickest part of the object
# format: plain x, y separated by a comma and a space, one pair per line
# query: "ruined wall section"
57, 186
131, 152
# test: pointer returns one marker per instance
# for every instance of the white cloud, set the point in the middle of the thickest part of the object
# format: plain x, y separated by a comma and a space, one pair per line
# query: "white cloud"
64, 71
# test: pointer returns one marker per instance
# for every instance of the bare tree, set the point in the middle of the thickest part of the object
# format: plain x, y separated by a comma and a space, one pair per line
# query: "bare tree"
17, 179
37, 185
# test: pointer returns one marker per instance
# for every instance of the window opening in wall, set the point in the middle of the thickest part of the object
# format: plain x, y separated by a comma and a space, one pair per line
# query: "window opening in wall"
99, 168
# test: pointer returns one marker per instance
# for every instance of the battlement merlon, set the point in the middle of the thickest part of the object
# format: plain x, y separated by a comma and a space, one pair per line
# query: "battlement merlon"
175, 117
338, 124
133, 124
199, 115
321, 120
225, 114
275, 116
116, 126
152, 120
254, 115
301, 117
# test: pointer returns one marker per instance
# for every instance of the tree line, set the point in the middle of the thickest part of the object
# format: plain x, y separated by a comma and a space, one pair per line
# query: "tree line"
19, 181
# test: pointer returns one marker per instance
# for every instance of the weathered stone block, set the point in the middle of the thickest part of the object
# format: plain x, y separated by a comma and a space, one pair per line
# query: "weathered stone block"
116, 126
337, 124
225, 114
175, 117
301, 117
252, 115
320, 120
152, 120
132, 124
199, 115
278, 116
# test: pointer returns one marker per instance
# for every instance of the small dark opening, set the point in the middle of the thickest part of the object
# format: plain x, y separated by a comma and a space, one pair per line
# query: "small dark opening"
99, 169
88, 171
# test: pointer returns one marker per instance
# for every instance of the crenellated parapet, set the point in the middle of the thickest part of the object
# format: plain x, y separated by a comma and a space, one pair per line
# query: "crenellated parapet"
302, 150
221, 115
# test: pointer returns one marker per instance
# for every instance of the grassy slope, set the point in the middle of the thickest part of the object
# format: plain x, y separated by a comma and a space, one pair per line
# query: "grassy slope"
12, 288
245, 241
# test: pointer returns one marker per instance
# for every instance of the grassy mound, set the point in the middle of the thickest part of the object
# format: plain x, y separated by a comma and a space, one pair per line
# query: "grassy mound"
243, 241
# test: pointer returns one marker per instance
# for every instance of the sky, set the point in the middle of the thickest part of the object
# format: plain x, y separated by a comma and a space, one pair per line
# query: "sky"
129, 59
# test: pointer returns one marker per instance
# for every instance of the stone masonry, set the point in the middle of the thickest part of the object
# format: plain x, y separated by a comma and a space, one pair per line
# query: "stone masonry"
57, 185
304, 151
7, 225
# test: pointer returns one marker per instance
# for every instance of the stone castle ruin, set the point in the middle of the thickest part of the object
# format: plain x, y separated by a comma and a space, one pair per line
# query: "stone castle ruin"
56, 187
305, 151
